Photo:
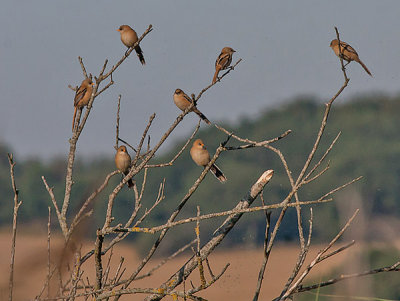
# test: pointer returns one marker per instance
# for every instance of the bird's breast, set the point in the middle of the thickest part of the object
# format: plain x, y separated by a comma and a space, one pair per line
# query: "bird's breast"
122, 161
128, 38
200, 156
181, 102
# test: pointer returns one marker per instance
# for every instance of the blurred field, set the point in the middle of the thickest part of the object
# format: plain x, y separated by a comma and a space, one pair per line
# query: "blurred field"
238, 283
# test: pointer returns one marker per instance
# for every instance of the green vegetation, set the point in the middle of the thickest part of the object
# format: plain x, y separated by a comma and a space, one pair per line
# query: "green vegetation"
369, 146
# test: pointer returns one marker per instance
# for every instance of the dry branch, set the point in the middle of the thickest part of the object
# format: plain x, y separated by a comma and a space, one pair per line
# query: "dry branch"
17, 204
286, 293
217, 237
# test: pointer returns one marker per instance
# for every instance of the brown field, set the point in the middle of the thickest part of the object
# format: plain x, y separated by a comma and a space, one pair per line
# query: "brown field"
238, 283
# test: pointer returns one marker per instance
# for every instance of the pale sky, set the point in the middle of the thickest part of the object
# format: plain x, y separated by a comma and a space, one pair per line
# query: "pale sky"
284, 46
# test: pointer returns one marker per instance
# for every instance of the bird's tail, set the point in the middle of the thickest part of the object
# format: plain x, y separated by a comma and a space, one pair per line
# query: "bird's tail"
365, 67
139, 53
218, 173
215, 75
130, 183
73, 119
202, 116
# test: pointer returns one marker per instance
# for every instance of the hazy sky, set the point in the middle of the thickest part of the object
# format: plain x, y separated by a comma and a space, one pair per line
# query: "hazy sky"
284, 46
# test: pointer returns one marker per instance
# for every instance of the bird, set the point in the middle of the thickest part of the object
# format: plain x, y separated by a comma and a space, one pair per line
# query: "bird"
201, 157
123, 162
182, 101
129, 38
223, 61
82, 97
348, 53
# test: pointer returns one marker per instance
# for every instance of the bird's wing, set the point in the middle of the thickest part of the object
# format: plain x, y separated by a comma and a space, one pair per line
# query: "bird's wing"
79, 95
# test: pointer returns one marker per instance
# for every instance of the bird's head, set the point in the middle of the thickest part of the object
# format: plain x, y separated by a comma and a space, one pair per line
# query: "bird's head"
122, 148
228, 50
87, 82
334, 43
199, 144
178, 91
122, 28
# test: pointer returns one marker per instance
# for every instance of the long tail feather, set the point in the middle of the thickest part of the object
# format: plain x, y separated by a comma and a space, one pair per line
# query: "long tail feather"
215, 75
218, 173
130, 183
73, 119
365, 67
139, 53
202, 116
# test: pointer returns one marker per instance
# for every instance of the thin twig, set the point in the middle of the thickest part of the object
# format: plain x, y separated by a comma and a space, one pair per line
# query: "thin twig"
146, 130
48, 252
393, 268
306, 178
168, 225
217, 237
265, 258
78, 217
180, 151
117, 126
17, 204
197, 253
317, 259
149, 273
53, 200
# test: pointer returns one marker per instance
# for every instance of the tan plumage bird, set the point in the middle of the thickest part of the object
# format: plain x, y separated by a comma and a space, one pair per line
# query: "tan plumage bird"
182, 101
348, 52
223, 61
129, 38
82, 97
201, 157
123, 162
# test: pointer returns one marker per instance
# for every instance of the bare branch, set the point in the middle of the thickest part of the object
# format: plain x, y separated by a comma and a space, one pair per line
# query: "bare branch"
217, 237
117, 126
181, 150
149, 273
97, 256
316, 260
393, 268
142, 139
53, 199
167, 225
321, 160
265, 258
17, 203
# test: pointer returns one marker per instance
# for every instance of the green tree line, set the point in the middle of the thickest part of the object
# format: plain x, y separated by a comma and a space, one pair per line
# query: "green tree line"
369, 146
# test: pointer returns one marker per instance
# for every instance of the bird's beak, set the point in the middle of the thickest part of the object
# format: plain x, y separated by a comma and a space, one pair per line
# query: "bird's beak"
118, 29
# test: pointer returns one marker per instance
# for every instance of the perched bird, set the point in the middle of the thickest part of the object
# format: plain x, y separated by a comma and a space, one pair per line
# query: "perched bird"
129, 38
348, 53
201, 157
223, 61
123, 162
82, 97
182, 101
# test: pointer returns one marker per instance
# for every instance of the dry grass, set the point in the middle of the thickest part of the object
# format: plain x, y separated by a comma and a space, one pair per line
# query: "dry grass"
238, 283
